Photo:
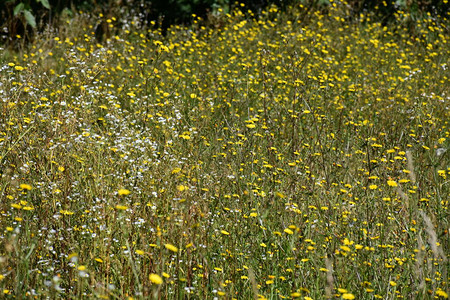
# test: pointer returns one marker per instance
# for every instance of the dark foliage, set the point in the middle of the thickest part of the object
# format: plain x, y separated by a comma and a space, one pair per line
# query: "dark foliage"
34, 15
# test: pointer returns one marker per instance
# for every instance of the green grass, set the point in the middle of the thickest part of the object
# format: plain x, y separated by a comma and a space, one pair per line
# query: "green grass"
297, 155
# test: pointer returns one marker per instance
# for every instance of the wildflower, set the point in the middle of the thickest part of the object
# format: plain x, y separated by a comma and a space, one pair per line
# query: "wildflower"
348, 296
288, 231
392, 183
123, 192
182, 188
185, 136
171, 247
25, 186
345, 248
81, 268
121, 207
155, 278
442, 294
176, 170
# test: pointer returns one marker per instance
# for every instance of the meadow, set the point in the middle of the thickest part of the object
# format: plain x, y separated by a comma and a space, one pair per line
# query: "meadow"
299, 154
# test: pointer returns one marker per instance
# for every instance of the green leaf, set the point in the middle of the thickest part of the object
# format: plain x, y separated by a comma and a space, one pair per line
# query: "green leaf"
45, 3
67, 12
18, 9
30, 18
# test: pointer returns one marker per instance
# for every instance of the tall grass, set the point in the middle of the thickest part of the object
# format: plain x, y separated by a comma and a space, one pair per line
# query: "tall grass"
295, 155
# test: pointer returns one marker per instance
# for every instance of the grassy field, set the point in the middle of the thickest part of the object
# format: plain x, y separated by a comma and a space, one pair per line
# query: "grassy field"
298, 155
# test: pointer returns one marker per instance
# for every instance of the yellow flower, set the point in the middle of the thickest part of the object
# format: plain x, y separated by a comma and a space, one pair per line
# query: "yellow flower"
16, 206
176, 170
345, 248
392, 183
442, 294
121, 207
348, 296
225, 232
140, 252
123, 192
171, 247
182, 188
155, 278
288, 231
25, 186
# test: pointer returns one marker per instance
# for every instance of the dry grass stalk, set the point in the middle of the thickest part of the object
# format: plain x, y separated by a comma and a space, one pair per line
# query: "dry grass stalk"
330, 280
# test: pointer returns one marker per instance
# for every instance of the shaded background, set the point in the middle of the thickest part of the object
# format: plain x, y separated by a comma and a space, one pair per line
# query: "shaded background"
26, 17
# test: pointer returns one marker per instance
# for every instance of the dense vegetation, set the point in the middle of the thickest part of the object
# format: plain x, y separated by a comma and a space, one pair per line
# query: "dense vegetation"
25, 17
297, 154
